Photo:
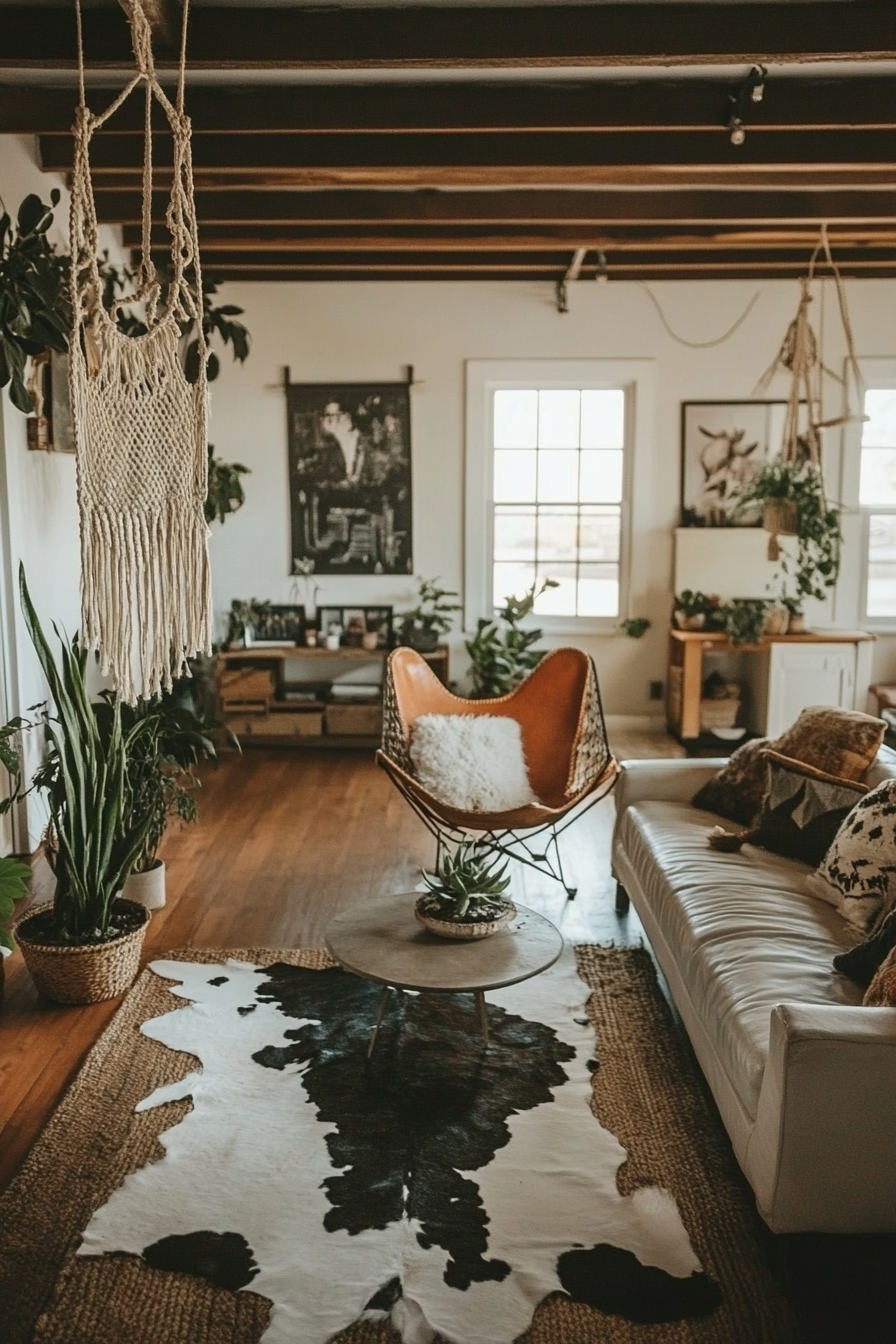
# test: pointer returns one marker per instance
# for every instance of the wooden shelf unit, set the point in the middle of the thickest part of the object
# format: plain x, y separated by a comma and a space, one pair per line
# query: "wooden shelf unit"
263, 717
685, 675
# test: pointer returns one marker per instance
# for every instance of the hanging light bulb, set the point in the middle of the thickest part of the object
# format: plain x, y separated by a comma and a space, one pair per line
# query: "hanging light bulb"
738, 131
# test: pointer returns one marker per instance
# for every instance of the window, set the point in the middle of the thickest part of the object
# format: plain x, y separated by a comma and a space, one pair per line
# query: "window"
547, 472
877, 499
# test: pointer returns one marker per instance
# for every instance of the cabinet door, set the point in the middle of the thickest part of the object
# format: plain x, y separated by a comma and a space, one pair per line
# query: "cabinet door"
809, 674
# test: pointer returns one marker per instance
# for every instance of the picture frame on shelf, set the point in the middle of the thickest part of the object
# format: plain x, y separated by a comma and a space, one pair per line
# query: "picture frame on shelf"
278, 624
723, 443
357, 625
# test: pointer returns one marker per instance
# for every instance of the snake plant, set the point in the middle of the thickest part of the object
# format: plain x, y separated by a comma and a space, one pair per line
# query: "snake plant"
467, 879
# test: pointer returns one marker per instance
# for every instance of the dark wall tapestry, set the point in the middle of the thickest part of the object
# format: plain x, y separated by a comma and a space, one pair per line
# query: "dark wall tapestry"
350, 477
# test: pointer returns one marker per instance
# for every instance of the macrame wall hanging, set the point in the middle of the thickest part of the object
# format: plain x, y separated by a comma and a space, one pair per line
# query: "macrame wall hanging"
802, 357
140, 426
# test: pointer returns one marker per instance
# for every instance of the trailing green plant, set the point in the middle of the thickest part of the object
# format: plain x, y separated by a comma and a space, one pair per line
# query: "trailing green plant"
819, 537
433, 615
14, 875
93, 837
35, 307
225, 489
635, 626
501, 659
691, 603
469, 884
744, 620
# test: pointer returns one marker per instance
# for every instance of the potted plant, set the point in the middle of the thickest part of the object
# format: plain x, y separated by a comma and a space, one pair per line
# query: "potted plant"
745, 620
432, 617
13, 876
501, 659
691, 610
171, 740
795, 492
34, 299
83, 946
796, 624
466, 894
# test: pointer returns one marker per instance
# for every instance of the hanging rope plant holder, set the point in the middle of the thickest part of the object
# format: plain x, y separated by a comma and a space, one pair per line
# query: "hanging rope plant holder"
140, 426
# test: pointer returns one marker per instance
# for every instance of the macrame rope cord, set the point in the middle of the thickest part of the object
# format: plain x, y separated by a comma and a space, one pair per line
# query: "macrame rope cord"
140, 427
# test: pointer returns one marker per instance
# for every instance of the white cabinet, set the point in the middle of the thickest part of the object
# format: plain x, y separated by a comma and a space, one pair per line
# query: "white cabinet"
811, 674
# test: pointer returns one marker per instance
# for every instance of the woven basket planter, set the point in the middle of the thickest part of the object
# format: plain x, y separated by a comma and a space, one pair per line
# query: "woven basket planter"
781, 517
458, 929
86, 974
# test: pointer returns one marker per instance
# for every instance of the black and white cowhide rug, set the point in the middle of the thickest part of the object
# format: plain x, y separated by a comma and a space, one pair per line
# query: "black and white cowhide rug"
448, 1186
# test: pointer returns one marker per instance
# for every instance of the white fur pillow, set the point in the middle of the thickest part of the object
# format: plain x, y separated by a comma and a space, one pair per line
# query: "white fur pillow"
473, 762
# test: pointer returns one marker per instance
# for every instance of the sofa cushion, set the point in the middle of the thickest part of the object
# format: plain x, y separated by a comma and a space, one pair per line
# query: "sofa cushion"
882, 990
862, 961
803, 809
743, 929
858, 873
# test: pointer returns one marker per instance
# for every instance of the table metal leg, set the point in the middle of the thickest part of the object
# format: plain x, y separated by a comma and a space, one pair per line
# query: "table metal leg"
384, 999
483, 1014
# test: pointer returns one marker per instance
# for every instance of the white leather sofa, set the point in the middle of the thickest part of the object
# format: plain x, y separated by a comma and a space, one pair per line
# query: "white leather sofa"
804, 1077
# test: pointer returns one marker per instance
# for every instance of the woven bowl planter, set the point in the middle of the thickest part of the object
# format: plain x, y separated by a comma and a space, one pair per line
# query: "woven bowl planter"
781, 517
89, 973
459, 929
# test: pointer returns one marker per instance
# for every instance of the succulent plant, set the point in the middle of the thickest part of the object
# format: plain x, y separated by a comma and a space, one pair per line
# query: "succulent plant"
469, 879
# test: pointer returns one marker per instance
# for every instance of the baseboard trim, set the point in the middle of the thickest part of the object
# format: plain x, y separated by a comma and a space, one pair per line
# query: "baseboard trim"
635, 723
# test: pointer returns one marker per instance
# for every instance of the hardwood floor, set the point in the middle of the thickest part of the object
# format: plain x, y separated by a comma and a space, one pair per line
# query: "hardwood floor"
286, 839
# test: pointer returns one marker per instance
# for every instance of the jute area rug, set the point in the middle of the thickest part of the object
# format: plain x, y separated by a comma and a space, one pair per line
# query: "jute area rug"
676, 1164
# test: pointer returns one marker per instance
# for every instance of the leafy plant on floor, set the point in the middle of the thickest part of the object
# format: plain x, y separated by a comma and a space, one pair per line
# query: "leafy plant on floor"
501, 658
468, 884
35, 308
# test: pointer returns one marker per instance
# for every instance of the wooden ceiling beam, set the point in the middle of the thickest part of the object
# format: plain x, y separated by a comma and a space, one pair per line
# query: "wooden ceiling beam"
470, 38
659, 107
430, 208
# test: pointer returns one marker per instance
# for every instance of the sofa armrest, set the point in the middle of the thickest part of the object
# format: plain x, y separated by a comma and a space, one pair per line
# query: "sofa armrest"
675, 780
820, 1158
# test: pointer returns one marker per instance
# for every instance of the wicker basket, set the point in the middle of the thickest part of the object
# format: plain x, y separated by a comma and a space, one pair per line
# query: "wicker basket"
86, 974
449, 928
718, 714
781, 517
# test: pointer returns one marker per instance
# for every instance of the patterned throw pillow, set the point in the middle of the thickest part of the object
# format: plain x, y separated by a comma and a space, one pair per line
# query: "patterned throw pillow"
862, 961
858, 874
803, 809
841, 742
881, 993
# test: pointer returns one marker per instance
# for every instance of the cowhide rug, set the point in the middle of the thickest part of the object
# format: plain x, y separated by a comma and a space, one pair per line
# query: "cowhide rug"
450, 1187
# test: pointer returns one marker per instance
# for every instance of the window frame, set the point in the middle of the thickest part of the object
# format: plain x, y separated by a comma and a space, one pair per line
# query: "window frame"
483, 379
879, 372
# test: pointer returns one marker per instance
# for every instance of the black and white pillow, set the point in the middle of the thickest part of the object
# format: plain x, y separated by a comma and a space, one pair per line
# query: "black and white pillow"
858, 873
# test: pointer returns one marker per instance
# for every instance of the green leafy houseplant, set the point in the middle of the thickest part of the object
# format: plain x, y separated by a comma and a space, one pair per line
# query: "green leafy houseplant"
94, 840
467, 887
744, 620
433, 616
635, 626
501, 659
225, 489
35, 310
818, 533
14, 875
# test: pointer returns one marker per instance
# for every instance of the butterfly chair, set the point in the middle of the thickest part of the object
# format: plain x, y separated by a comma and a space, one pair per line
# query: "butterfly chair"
564, 741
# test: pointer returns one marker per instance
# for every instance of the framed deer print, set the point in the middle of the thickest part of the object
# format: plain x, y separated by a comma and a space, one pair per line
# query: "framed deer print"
723, 443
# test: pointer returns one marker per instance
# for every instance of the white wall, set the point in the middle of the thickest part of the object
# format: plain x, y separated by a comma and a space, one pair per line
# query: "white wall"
361, 332
40, 516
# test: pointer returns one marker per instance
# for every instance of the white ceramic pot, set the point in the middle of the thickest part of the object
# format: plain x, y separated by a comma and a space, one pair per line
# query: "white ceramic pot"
147, 889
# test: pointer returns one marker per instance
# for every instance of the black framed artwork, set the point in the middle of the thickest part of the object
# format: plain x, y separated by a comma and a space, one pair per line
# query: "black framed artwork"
350, 477
723, 443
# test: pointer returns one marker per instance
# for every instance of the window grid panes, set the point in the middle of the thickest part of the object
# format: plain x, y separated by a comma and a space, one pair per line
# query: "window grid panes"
877, 497
558, 480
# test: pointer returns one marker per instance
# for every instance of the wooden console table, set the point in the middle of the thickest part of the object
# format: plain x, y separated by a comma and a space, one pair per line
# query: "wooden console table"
828, 667
257, 709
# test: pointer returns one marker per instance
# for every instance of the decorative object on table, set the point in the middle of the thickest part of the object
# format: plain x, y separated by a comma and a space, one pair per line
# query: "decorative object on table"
744, 620
857, 875
501, 658
633, 1270
473, 762
796, 624
431, 619
777, 619
304, 586
140, 425
719, 703
351, 624
170, 743
635, 626
278, 623
350, 476
841, 742
723, 443
466, 894
569, 762
242, 618
85, 945
696, 611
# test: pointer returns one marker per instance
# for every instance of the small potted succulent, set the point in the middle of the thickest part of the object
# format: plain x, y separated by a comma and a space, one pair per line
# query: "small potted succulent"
433, 616
466, 894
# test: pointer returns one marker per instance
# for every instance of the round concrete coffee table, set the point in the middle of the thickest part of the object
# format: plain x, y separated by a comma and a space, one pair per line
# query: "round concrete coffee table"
380, 940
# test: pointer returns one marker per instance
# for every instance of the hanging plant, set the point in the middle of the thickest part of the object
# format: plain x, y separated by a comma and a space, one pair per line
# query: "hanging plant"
35, 308
799, 485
